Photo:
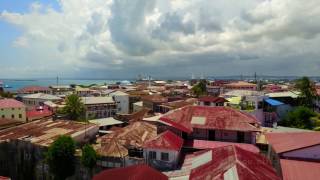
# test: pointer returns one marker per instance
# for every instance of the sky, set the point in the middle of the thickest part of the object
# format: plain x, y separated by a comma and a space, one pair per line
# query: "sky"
161, 38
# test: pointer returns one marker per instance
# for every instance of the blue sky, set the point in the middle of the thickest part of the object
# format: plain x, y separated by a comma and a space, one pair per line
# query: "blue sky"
114, 39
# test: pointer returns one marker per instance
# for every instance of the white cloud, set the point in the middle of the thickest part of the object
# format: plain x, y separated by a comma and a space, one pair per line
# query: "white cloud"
136, 35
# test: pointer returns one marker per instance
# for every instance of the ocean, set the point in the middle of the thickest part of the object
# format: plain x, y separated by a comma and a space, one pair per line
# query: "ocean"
16, 84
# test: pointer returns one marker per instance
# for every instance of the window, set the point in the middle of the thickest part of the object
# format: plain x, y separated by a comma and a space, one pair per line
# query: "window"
20, 116
165, 156
12, 116
3, 116
12, 109
152, 155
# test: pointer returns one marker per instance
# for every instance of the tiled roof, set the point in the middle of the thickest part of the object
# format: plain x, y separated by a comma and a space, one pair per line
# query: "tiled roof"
166, 140
30, 89
232, 162
135, 172
223, 118
11, 103
213, 99
283, 142
297, 170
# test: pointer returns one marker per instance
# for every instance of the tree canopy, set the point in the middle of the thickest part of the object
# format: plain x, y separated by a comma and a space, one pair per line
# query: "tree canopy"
60, 157
89, 156
74, 108
200, 88
307, 90
300, 117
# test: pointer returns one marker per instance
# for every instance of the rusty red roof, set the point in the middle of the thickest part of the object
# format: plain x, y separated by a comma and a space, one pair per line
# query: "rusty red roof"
166, 140
205, 117
283, 142
230, 161
31, 89
297, 170
11, 103
155, 98
202, 144
135, 172
213, 99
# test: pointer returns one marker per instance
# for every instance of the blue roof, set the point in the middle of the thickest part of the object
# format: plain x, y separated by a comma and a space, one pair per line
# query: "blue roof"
273, 102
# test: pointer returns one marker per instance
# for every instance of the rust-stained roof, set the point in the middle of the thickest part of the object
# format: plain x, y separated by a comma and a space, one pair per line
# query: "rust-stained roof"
297, 170
223, 118
31, 89
44, 132
284, 142
213, 99
155, 98
232, 162
134, 172
166, 140
133, 135
4, 123
179, 103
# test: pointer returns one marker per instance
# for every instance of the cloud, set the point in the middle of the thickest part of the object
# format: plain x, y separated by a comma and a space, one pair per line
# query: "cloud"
171, 37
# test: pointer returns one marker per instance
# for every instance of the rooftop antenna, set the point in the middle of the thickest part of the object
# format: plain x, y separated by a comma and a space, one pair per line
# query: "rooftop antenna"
57, 81
192, 76
255, 76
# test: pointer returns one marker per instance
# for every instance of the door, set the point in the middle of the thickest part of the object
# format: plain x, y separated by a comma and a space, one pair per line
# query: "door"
240, 137
212, 135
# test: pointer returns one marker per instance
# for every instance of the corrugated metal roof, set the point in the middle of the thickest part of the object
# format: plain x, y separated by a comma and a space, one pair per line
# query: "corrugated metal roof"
166, 140
135, 172
283, 142
202, 144
273, 102
247, 166
299, 170
223, 118
213, 99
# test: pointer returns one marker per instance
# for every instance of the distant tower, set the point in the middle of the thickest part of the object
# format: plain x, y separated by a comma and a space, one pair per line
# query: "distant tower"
57, 81
255, 76
149, 78
192, 76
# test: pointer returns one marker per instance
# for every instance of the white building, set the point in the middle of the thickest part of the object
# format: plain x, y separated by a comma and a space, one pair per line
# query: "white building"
163, 151
33, 100
122, 101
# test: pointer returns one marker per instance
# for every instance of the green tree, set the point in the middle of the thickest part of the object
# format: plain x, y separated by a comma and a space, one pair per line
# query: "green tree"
74, 108
307, 90
89, 157
301, 117
60, 157
200, 88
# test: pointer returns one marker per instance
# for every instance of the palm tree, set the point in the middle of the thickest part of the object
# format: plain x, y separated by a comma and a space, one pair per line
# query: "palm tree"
307, 91
74, 108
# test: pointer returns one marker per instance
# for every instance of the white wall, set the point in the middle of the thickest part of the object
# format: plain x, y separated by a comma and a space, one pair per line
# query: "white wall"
122, 103
173, 156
